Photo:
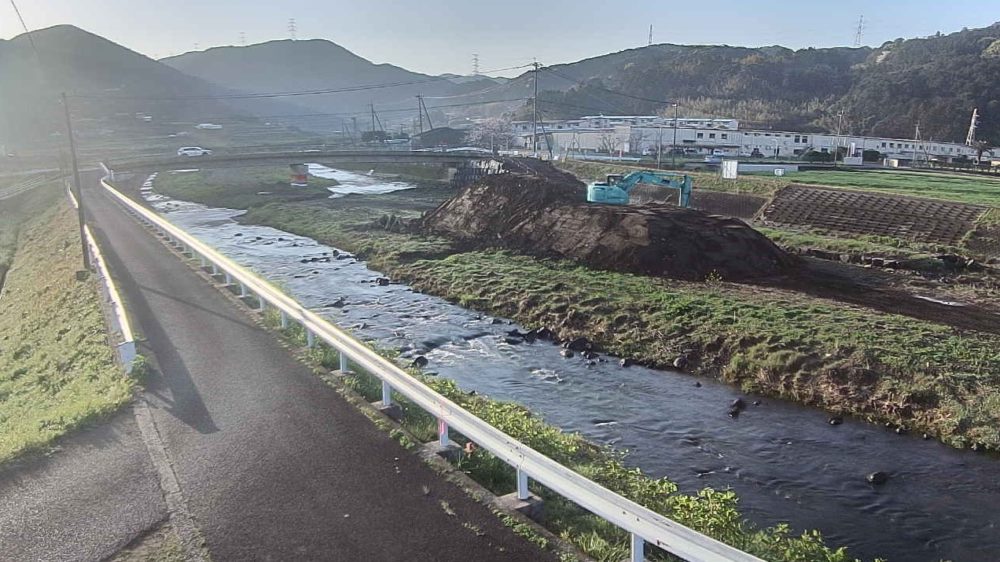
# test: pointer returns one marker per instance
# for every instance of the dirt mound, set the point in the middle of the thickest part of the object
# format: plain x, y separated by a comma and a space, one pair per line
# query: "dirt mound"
547, 216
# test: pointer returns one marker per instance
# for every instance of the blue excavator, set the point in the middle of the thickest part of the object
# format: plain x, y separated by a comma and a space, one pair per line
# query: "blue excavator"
615, 191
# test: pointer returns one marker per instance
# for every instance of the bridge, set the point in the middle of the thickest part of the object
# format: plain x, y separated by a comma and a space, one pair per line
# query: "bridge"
454, 159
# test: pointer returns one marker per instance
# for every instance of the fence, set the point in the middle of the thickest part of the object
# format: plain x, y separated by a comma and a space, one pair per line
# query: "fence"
644, 525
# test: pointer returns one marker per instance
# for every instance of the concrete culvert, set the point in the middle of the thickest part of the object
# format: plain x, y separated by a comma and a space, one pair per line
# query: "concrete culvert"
548, 216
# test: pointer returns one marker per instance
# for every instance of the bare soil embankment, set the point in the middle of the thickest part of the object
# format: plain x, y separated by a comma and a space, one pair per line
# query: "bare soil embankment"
546, 215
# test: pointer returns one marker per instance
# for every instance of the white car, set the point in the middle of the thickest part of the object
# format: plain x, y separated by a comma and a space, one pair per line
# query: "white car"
193, 151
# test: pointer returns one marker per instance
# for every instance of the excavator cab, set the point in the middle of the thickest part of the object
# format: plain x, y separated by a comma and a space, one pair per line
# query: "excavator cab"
615, 191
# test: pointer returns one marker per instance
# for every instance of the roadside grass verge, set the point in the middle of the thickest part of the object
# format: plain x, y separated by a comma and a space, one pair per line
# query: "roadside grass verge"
57, 371
709, 511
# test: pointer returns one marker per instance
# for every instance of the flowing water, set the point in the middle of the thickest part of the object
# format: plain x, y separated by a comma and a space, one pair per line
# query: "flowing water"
786, 462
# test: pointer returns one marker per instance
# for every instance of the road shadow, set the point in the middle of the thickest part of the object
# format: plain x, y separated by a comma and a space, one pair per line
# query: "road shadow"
170, 383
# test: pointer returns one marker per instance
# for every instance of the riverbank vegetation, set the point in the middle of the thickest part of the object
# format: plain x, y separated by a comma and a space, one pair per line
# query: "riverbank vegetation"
913, 374
57, 371
715, 513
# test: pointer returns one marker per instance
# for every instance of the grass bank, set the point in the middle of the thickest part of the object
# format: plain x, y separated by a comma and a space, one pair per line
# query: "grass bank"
240, 188
15, 211
57, 371
715, 513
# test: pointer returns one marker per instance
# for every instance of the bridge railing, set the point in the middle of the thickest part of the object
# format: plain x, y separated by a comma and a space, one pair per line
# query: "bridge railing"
644, 525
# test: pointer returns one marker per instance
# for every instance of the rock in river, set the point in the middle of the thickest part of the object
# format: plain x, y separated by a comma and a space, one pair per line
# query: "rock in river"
419, 361
877, 478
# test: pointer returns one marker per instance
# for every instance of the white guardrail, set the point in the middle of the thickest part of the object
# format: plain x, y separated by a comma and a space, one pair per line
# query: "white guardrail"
644, 525
127, 351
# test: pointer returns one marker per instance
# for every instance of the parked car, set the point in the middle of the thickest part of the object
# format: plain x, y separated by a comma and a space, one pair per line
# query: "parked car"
193, 151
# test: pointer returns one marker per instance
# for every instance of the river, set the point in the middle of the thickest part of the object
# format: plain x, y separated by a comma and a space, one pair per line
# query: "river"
786, 462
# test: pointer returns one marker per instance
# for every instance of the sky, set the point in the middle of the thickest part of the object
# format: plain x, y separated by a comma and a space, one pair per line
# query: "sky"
441, 36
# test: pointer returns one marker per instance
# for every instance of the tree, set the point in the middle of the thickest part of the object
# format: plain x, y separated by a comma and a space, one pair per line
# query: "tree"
493, 133
609, 142
376, 136
981, 147
870, 155
635, 138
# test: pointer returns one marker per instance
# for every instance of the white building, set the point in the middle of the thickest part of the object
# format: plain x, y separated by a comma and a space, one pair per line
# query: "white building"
643, 134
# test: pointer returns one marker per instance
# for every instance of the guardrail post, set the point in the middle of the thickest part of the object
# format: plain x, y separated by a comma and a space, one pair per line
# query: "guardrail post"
343, 362
243, 289
386, 394
443, 439
638, 549
310, 339
203, 261
522, 485
284, 319
229, 279
215, 269
261, 304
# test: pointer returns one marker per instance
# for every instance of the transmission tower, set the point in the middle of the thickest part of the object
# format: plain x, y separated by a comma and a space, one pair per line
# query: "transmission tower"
970, 139
475, 64
291, 28
859, 36
243, 39
650, 42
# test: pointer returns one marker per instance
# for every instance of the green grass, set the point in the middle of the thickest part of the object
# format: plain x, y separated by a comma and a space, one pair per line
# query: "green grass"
239, 189
882, 246
976, 190
57, 371
15, 211
882, 366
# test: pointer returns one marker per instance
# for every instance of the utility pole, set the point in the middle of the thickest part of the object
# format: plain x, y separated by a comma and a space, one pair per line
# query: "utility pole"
420, 112
836, 147
534, 113
673, 147
916, 140
659, 145
76, 182
372, 105
356, 135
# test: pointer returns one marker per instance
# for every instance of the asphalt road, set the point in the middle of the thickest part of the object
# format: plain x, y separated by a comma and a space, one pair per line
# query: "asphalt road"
272, 463
85, 502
